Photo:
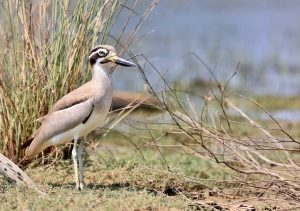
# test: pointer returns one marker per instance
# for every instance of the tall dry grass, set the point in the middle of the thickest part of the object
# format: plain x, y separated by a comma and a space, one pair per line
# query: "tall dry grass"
44, 47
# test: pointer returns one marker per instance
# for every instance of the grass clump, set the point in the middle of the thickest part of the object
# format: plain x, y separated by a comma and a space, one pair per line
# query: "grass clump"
44, 55
45, 48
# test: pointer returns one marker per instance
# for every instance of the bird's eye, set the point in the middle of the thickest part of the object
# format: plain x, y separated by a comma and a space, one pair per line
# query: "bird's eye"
101, 53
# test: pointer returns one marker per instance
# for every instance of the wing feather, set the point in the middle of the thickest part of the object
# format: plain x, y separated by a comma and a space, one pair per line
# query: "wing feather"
58, 122
76, 96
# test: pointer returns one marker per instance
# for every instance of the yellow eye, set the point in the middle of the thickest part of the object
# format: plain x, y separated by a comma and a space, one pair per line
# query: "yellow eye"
102, 53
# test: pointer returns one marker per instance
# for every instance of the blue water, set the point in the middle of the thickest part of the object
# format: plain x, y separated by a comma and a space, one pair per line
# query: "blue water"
262, 36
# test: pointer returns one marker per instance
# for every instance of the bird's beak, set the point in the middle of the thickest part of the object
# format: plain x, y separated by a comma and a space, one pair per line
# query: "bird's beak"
117, 60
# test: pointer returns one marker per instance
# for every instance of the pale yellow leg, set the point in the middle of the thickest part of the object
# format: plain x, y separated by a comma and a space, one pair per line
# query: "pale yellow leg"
80, 160
75, 161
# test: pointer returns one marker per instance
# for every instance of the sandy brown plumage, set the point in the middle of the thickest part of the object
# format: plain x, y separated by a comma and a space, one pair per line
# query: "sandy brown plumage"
79, 112
120, 100
71, 110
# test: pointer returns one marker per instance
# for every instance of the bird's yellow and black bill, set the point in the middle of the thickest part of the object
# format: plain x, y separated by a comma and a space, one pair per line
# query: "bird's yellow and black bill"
120, 61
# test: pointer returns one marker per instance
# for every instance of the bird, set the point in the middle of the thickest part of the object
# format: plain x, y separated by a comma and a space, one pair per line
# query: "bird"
80, 111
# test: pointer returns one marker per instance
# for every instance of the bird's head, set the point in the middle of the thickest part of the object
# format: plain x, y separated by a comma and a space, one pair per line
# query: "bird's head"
105, 56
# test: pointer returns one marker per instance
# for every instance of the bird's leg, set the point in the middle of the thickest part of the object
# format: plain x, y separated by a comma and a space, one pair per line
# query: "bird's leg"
80, 160
75, 161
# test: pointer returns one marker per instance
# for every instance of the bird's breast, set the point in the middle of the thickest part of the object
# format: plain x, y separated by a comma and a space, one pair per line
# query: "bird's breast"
97, 119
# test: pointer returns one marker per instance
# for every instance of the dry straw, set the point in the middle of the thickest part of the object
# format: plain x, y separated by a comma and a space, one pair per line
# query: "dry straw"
45, 44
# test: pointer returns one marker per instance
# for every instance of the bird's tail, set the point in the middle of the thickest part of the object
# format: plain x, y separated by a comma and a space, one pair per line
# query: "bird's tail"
27, 143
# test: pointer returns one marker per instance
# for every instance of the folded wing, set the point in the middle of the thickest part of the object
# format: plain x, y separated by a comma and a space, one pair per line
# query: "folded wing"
58, 122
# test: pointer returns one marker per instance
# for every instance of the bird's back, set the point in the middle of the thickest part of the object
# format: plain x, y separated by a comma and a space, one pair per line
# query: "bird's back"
75, 114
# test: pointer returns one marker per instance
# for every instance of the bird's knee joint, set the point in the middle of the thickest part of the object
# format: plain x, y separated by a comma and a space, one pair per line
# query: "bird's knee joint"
74, 153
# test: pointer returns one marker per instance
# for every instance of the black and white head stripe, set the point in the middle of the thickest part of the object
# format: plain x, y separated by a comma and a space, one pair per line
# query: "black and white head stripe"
99, 52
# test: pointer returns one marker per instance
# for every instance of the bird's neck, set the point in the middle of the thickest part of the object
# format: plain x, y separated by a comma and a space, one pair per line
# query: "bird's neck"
99, 73
101, 82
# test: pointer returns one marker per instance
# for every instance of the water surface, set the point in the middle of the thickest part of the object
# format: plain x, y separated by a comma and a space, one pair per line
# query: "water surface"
261, 36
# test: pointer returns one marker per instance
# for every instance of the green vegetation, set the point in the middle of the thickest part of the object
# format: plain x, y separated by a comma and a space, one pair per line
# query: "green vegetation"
186, 160
116, 179
277, 102
119, 178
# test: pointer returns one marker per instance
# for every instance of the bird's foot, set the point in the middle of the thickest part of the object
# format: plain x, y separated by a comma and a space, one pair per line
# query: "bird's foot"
80, 186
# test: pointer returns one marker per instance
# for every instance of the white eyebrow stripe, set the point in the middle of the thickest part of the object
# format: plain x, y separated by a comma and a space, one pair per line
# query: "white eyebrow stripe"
99, 50
102, 49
